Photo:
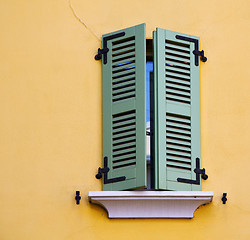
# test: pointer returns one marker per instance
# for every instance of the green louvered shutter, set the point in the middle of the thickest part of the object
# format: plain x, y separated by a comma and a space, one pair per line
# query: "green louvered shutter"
177, 111
124, 109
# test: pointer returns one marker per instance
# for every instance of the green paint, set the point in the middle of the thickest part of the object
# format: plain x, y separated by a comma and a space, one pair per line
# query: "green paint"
124, 116
177, 124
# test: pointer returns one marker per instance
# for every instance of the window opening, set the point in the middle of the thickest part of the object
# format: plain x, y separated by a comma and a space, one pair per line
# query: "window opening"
149, 112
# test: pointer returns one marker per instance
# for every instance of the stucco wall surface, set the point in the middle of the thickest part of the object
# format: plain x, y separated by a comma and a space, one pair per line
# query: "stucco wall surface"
50, 124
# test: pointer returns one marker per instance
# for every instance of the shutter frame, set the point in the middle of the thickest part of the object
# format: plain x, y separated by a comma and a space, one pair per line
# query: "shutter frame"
122, 112
173, 111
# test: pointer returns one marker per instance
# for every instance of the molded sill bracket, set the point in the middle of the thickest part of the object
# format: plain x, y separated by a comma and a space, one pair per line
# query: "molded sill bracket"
150, 204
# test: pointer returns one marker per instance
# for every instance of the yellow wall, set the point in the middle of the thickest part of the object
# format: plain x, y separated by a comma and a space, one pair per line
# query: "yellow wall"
50, 122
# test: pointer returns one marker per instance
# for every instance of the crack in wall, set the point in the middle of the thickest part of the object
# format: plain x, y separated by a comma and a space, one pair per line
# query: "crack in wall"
81, 21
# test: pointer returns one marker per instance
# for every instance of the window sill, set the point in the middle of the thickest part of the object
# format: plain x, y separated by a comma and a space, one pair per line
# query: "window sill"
150, 204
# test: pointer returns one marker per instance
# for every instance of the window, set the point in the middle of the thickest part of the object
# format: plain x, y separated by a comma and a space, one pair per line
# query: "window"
175, 110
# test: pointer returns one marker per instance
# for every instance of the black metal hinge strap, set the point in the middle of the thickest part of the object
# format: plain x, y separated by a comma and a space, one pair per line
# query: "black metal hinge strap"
198, 171
105, 49
196, 51
105, 171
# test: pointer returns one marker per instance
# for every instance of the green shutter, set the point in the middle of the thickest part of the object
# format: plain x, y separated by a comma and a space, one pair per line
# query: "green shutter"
177, 111
124, 109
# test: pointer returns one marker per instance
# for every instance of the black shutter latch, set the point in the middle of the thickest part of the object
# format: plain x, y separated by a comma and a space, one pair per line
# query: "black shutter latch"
105, 171
98, 56
224, 198
201, 54
204, 176
78, 197
101, 171
198, 171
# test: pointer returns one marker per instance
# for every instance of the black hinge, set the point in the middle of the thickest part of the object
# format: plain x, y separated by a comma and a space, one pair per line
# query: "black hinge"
105, 49
105, 171
198, 171
196, 51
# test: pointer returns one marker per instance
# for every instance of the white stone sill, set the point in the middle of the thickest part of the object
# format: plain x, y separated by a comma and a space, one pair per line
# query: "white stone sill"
150, 204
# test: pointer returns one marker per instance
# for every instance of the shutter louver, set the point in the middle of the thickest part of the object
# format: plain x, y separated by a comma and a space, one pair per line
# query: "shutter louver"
124, 109
178, 111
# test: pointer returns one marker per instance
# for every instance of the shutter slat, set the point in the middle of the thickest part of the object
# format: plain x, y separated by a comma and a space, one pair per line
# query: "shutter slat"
124, 163
177, 75
124, 158
130, 120
124, 127
123, 134
126, 145
128, 80
123, 51
123, 116
174, 98
183, 166
124, 141
178, 125
119, 132
123, 60
178, 59
126, 72
178, 142
178, 159
120, 91
178, 87
124, 56
180, 54
172, 92
178, 81
179, 119
124, 78
118, 154
179, 153
177, 64
177, 45
116, 58
178, 136
123, 85
181, 131
180, 70
119, 45
123, 67
174, 146
123, 96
